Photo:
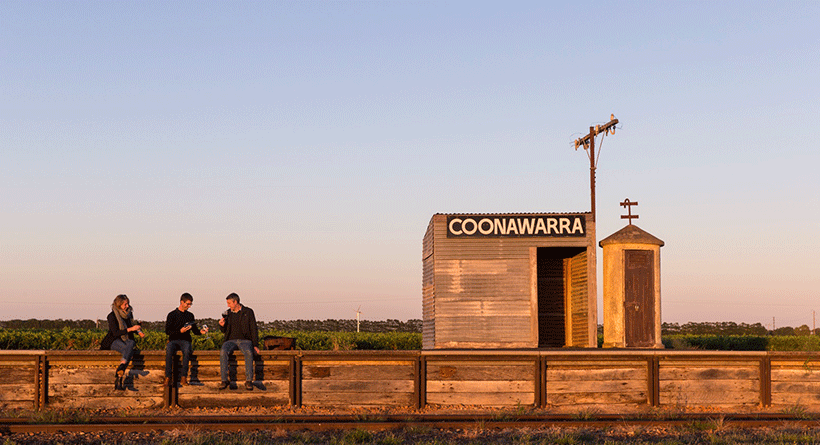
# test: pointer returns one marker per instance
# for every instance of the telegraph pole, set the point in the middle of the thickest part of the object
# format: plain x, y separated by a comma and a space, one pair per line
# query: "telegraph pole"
588, 142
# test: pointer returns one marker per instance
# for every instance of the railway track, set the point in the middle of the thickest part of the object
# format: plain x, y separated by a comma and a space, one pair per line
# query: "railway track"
394, 422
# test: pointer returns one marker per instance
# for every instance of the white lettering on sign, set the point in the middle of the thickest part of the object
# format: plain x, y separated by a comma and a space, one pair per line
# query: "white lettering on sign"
516, 226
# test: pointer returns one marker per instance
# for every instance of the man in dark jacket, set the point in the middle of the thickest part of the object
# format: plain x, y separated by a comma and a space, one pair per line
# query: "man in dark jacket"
178, 325
239, 325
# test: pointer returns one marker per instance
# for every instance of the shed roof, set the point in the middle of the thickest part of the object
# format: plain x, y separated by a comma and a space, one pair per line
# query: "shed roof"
631, 234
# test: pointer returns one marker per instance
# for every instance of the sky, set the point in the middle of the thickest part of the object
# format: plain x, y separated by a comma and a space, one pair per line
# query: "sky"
294, 152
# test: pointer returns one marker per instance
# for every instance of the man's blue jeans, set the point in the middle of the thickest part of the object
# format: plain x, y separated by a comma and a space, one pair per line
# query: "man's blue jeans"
126, 348
170, 351
246, 346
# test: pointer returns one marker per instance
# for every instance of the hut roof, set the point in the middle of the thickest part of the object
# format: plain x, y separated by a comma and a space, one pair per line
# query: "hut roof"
631, 234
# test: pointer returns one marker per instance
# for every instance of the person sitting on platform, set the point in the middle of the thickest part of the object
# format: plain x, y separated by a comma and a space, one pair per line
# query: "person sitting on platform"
178, 325
239, 325
120, 336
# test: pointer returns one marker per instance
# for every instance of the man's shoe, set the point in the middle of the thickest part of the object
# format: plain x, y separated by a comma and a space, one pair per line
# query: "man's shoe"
183, 380
223, 385
249, 386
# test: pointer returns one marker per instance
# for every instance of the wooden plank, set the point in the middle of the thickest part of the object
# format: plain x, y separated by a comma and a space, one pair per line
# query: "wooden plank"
11, 362
708, 399
357, 362
484, 344
100, 376
233, 399
17, 375
602, 398
99, 390
808, 364
796, 387
711, 385
794, 375
480, 371
99, 364
123, 401
352, 372
10, 393
687, 393
710, 373
596, 374
14, 404
595, 386
795, 399
708, 362
240, 362
198, 389
481, 399
470, 387
570, 363
370, 386
357, 399
207, 374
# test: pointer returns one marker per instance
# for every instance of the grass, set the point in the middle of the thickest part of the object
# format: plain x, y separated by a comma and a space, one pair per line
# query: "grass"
56, 416
713, 434
797, 412
713, 430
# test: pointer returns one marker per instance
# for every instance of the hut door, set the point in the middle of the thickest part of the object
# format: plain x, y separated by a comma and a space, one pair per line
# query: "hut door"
639, 301
550, 301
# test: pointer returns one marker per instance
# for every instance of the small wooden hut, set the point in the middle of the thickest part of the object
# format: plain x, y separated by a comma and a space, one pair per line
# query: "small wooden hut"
509, 280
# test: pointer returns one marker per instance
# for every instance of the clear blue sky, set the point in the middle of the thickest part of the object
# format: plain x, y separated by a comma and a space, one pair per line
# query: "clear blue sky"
294, 152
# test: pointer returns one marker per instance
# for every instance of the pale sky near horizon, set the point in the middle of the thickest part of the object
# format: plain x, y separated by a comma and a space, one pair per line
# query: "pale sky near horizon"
295, 151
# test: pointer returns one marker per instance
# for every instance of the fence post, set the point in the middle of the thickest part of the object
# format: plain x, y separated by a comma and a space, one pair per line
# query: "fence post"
296, 381
766, 380
40, 386
542, 380
653, 380
420, 390
170, 392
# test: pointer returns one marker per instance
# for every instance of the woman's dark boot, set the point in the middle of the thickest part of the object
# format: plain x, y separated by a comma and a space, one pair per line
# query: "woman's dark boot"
118, 380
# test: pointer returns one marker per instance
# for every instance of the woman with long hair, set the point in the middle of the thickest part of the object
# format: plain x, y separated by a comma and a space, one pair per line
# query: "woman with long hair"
120, 337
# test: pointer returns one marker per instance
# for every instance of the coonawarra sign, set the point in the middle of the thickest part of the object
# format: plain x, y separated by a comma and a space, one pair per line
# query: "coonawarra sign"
478, 226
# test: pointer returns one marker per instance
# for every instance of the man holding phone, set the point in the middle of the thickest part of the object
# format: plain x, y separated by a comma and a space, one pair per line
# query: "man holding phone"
178, 325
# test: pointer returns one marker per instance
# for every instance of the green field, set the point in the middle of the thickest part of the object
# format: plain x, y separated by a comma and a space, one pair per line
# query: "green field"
89, 339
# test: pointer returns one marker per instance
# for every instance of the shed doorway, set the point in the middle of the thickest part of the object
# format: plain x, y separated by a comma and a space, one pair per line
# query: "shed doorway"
562, 296
639, 298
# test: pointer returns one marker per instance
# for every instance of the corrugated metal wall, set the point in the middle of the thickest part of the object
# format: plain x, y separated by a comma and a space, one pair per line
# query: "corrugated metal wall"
428, 291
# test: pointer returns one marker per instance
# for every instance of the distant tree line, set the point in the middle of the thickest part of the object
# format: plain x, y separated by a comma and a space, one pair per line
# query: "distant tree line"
732, 328
413, 325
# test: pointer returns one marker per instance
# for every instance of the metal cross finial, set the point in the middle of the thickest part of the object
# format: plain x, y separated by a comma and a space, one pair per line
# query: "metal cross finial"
628, 204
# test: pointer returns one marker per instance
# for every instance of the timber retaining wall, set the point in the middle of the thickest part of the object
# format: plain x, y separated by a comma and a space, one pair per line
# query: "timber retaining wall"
564, 379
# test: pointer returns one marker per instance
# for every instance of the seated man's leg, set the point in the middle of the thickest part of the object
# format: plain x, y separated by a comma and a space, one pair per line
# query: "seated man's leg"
224, 355
247, 350
187, 349
170, 351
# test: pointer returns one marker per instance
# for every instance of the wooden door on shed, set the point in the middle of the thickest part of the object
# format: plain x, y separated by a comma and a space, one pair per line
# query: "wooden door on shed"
639, 298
